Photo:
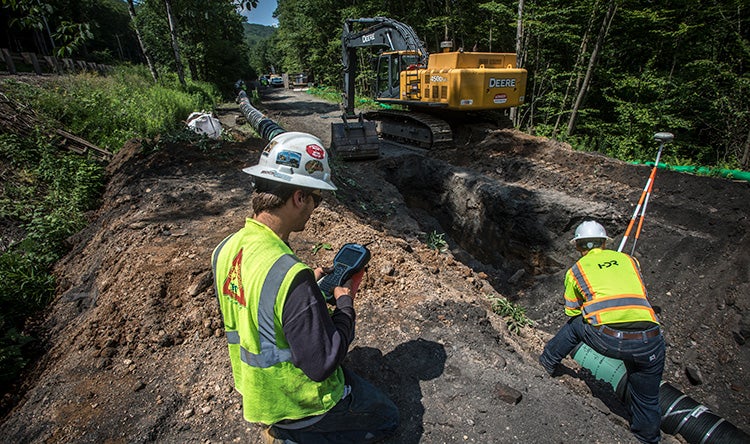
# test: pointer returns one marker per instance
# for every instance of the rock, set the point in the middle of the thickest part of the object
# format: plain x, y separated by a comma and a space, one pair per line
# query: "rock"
508, 394
694, 375
202, 282
516, 276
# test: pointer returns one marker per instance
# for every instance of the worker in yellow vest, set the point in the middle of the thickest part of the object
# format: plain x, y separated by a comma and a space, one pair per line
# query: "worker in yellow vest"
286, 350
610, 312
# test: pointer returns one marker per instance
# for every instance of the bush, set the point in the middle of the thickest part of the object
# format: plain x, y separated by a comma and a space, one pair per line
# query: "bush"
45, 191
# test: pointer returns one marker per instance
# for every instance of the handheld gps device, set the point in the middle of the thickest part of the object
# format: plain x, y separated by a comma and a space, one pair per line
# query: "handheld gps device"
350, 259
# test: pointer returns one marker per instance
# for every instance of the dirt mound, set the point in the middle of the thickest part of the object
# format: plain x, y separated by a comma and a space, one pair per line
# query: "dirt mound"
135, 351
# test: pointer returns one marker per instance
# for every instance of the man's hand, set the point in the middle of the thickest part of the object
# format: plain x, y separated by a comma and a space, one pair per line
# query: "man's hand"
350, 287
320, 272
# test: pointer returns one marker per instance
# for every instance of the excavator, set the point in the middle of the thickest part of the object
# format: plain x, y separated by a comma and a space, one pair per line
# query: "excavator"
426, 87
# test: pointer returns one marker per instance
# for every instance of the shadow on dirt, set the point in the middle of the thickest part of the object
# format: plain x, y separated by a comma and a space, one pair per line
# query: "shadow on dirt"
399, 373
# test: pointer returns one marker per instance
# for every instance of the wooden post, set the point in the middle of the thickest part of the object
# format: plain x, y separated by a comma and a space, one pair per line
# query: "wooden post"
30, 58
54, 64
9, 61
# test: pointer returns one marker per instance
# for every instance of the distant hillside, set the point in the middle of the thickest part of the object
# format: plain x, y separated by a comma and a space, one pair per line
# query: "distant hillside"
254, 33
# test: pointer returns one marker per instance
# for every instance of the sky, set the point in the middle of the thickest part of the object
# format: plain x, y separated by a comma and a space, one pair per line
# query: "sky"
262, 14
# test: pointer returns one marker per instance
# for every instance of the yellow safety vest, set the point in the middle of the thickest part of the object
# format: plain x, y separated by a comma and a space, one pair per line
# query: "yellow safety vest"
606, 287
253, 270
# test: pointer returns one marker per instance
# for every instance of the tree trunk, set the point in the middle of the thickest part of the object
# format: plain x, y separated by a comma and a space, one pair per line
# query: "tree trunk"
146, 54
514, 115
576, 71
175, 47
592, 63
746, 154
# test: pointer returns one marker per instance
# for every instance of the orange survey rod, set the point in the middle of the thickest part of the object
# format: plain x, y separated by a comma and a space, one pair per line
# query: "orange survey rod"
663, 138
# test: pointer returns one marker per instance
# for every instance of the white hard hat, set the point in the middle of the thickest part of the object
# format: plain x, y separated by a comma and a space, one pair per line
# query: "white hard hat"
295, 159
589, 230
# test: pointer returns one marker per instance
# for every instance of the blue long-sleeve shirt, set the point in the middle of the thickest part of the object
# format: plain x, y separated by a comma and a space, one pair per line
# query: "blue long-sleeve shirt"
318, 340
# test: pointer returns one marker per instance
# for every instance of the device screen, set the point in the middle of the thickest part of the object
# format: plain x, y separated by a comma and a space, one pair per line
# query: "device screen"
348, 256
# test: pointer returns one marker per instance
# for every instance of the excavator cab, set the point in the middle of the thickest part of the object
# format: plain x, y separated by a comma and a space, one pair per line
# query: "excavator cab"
389, 67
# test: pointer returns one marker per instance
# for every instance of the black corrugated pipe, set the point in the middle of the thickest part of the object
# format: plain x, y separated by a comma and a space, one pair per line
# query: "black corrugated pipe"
266, 128
679, 412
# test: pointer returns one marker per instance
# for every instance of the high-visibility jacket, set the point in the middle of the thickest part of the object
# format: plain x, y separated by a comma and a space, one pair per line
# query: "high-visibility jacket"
606, 287
253, 270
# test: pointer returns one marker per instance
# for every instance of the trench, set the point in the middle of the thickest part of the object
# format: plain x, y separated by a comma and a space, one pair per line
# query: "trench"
507, 231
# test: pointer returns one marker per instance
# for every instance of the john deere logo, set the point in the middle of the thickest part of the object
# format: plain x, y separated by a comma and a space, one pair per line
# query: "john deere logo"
502, 83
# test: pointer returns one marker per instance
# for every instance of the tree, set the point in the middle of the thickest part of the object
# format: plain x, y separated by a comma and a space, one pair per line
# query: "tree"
603, 30
175, 44
144, 48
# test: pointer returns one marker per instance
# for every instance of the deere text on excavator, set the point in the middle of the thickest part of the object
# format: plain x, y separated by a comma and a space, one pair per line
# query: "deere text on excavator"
424, 84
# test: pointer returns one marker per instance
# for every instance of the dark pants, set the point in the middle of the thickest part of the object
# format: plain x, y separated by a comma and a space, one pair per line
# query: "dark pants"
365, 415
644, 363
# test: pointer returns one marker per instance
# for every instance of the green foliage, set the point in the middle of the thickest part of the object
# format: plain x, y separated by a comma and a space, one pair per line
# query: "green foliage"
321, 246
108, 111
45, 194
515, 315
46, 191
436, 241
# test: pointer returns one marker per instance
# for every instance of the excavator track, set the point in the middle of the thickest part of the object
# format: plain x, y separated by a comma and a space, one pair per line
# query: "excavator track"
413, 128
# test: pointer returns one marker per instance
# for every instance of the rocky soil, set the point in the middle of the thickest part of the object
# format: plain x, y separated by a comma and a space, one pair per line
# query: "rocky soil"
134, 348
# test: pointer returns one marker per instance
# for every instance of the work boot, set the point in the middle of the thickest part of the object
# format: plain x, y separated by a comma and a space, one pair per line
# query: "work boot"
269, 438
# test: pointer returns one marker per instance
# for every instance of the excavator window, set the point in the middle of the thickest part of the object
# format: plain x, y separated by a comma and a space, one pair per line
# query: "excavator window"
389, 70
388, 75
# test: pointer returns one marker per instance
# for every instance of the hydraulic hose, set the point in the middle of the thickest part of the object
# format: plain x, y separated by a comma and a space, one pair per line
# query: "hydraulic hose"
266, 128
679, 412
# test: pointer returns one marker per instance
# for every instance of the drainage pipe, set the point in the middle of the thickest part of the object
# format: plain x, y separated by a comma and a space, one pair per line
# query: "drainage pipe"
267, 128
679, 412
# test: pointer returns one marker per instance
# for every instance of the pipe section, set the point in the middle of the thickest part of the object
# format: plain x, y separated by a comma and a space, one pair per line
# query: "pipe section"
679, 412
266, 128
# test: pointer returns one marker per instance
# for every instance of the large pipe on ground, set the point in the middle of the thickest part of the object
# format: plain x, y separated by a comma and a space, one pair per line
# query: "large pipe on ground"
679, 412
266, 128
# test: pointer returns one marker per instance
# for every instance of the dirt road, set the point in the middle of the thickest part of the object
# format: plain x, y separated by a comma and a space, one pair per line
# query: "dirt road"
135, 351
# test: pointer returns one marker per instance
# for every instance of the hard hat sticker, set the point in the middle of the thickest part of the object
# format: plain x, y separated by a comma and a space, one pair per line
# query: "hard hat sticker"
288, 158
313, 166
268, 148
315, 151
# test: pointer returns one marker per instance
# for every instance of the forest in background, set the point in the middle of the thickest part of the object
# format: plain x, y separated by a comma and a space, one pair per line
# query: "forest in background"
604, 75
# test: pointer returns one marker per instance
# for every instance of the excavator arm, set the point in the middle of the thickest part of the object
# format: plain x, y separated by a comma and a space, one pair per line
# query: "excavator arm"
355, 138
379, 32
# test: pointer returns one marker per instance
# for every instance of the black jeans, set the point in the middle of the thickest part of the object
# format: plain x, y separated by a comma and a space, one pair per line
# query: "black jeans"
644, 362
365, 415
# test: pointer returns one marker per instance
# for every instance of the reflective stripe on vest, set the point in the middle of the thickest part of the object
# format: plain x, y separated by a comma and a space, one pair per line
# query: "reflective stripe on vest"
592, 309
270, 354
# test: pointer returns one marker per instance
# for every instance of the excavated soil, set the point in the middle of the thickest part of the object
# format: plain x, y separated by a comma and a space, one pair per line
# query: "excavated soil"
134, 349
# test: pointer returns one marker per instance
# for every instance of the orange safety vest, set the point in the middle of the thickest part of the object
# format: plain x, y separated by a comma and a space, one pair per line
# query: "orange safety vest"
606, 287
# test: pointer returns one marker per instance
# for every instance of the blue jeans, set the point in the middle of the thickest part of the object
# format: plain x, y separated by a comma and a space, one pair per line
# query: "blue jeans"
644, 363
365, 415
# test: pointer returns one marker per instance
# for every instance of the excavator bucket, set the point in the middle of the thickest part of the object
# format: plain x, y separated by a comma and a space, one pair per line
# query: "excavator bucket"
355, 140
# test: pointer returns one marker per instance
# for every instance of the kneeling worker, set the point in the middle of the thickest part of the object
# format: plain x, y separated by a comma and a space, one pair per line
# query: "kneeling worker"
285, 348
606, 300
